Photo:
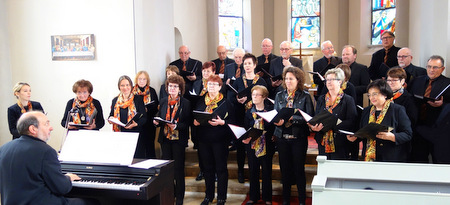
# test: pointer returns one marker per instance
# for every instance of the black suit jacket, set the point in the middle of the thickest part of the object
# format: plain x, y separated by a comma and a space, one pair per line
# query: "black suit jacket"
191, 65
14, 113
276, 65
345, 111
218, 63
413, 71
99, 120
418, 86
388, 151
376, 69
320, 66
360, 78
407, 101
262, 58
140, 109
184, 115
30, 173
230, 71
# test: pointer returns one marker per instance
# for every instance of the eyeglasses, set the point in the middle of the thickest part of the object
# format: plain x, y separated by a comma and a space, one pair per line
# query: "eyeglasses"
82, 92
433, 67
173, 86
403, 57
266, 46
256, 95
212, 84
185, 53
387, 37
392, 80
328, 48
332, 79
372, 95
284, 49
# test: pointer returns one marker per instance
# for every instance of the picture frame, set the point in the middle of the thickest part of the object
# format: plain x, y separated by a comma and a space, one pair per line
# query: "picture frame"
77, 47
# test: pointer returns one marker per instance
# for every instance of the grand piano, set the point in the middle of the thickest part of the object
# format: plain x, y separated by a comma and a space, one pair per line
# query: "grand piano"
122, 184
104, 162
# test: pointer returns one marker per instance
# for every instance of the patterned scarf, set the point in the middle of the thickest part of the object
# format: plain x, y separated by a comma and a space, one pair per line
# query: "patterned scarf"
249, 104
344, 85
121, 103
145, 94
259, 145
205, 86
171, 104
398, 93
89, 108
372, 143
22, 109
211, 104
328, 138
290, 99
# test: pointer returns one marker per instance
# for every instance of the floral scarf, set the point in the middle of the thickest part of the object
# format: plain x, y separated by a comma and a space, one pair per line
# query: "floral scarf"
205, 86
290, 99
328, 138
249, 104
398, 93
211, 104
121, 103
171, 104
372, 143
259, 145
22, 109
145, 94
89, 108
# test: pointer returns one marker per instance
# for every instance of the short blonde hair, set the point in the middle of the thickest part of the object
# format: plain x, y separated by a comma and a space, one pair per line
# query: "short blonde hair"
146, 75
18, 86
262, 89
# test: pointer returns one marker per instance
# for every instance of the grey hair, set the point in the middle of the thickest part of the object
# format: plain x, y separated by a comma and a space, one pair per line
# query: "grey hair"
288, 42
323, 43
25, 121
338, 72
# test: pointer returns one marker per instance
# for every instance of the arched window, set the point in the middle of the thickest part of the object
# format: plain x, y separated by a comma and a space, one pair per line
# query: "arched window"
230, 23
383, 18
305, 23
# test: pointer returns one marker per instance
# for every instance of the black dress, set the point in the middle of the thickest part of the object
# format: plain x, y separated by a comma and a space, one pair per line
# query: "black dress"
146, 141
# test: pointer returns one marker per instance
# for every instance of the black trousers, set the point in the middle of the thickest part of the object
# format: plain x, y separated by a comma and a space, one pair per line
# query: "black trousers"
176, 151
240, 155
146, 142
214, 156
292, 156
254, 164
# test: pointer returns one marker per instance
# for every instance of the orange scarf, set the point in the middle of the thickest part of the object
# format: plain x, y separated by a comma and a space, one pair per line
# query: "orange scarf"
249, 104
22, 109
398, 93
371, 143
205, 86
145, 94
328, 138
168, 131
121, 103
211, 104
89, 109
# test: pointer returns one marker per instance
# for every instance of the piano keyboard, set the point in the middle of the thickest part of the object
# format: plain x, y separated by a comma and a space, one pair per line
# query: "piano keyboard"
115, 184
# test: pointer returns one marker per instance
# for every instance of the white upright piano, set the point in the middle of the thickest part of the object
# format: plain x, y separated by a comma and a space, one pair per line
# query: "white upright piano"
362, 183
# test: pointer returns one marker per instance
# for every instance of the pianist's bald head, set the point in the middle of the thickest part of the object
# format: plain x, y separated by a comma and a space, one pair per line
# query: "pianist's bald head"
35, 124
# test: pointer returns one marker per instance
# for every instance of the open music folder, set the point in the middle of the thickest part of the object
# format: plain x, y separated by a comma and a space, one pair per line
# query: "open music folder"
87, 146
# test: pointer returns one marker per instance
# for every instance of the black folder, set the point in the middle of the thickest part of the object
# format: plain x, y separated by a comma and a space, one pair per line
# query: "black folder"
285, 114
246, 92
203, 117
328, 120
186, 73
371, 130
163, 121
264, 68
252, 133
432, 99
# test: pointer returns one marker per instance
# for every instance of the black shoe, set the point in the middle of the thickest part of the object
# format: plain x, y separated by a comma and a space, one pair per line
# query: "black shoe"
199, 176
250, 202
232, 148
221, 202
241, 178
206, 201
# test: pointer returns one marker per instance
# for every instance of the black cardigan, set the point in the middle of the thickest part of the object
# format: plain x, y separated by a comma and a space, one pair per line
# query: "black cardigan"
140, 109
99, 120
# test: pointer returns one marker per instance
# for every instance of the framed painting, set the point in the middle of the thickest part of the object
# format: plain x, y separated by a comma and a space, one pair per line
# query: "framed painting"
73, 47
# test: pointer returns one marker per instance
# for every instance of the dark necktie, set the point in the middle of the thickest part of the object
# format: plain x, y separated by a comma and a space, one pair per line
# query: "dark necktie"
238, 72
267, 59
222, 68
184, 65
385, 55
423, 108
428, 90
329, 60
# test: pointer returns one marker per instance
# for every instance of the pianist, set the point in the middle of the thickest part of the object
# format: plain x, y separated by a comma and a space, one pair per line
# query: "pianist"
30, 172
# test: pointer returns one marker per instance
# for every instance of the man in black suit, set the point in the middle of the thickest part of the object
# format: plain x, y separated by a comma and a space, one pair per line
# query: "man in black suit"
278, 64
222, 61
360, 75
236, 69
190, 69
404, 59
430, 85
384, 58
267, 55
324, 64
30, 172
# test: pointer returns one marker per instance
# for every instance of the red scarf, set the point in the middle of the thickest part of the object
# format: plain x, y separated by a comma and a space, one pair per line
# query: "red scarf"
174, 104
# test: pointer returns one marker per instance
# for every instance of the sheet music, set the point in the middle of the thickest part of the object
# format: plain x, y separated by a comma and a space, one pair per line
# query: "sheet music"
438, 96
147, 164
238, 131
116, 121
317, 73
192, 92
305, 115
99, 147
272, 101
268, 116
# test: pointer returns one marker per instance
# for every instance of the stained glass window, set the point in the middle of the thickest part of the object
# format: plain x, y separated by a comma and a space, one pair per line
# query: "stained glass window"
305, 23
383, 18
230, 23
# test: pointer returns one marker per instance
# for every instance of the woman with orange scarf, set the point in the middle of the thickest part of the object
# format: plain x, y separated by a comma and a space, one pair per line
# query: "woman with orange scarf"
146, 142
391, 146
85, 112
128, 108
331, 143
213, 140
174, 136
22, 91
